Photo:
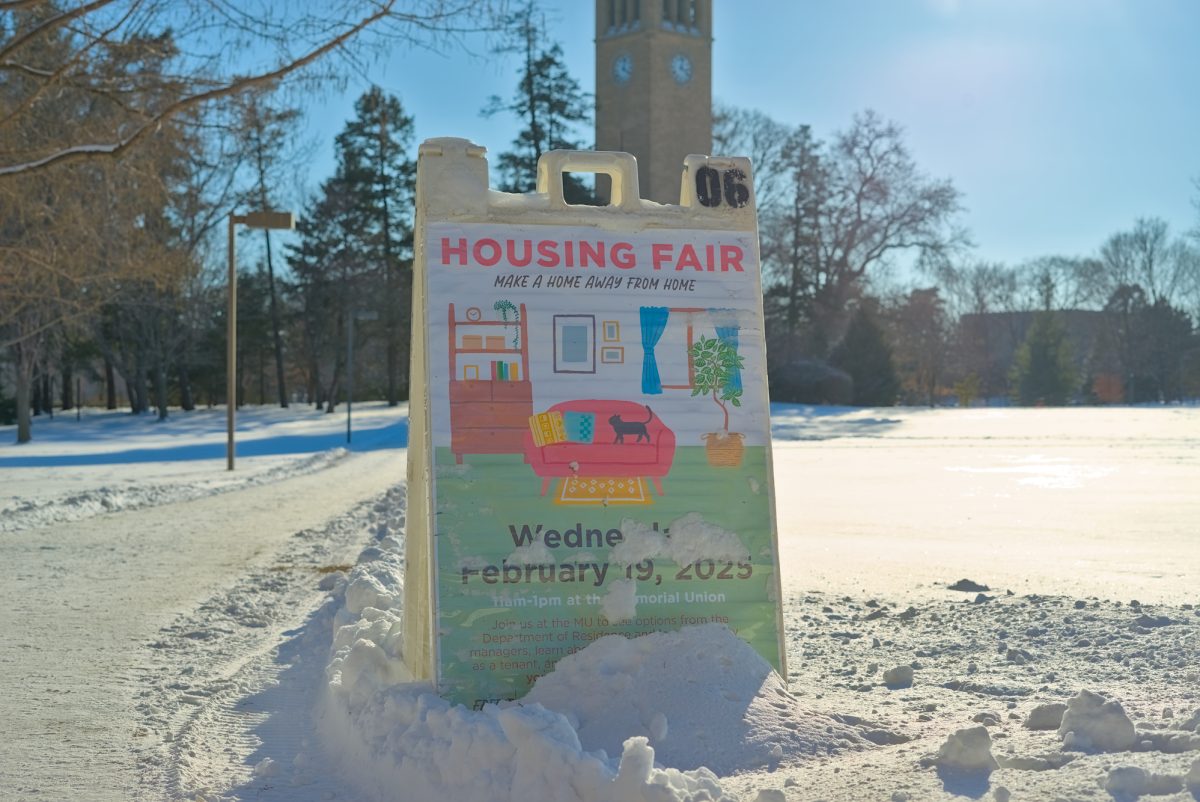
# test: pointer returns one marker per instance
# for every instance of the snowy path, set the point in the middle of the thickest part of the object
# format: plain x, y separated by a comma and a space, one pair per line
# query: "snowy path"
83, 601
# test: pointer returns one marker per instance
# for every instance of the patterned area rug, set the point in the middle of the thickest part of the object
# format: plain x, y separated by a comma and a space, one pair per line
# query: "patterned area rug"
602, 490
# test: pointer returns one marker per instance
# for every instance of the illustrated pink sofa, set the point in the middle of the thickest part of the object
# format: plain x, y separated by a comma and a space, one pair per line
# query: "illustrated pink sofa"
603, 456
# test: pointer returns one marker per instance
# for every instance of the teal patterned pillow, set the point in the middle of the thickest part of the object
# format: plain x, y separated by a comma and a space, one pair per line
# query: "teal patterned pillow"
580, 426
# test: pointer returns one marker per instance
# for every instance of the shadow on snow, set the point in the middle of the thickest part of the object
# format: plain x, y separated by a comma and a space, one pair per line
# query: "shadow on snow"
392, 435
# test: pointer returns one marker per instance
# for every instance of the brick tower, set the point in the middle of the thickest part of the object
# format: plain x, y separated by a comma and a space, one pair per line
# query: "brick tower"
654, 86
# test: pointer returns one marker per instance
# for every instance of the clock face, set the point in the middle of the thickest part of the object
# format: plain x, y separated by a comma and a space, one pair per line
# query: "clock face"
681, 68
622, 68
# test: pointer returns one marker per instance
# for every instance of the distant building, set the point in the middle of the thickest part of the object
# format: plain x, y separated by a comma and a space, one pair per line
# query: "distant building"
654, 86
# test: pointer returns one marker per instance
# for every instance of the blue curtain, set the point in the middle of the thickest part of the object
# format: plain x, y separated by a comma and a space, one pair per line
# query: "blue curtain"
729, 334
654, 323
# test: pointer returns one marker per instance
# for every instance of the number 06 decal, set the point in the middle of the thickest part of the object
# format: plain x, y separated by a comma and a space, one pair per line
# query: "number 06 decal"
710, 183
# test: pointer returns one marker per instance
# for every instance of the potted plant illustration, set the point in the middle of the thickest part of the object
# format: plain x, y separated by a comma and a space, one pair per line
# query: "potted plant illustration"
715, 363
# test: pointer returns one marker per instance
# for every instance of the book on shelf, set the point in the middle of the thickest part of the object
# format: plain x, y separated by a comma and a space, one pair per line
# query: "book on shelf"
506, 371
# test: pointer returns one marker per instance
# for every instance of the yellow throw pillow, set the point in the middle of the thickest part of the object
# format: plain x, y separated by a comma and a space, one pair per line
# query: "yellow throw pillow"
547, 428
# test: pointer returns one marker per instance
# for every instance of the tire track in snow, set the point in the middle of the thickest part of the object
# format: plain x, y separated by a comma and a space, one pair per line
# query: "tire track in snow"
237, 679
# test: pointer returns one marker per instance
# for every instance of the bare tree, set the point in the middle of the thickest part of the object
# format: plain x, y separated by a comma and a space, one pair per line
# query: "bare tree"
751, 133
847, 212
1191, 254
990, 303
84, 84
1069, 281
789, 229
211, 51
1147, 257
265, 133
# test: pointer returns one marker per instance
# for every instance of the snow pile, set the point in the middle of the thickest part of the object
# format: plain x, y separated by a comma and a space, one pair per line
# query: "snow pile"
1130, 782
700, 701
1093, 724
368, 637
898, 677
701, 696
1046, 716
967, 751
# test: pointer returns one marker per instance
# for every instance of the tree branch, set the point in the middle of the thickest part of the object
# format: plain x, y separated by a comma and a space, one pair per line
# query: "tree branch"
18, 41
234, 86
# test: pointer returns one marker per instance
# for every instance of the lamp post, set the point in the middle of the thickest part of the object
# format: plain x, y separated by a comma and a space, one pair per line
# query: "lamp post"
268, 220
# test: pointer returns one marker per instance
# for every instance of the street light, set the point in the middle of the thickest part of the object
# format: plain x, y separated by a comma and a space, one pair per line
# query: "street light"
268, 220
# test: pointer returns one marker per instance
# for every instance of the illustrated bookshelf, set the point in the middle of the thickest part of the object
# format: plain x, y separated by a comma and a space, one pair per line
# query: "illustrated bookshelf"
491, 396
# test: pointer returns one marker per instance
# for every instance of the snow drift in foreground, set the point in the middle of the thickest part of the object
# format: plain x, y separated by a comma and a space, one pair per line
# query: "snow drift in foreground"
699, 700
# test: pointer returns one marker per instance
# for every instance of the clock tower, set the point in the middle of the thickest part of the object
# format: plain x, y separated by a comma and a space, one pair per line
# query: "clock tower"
654, 86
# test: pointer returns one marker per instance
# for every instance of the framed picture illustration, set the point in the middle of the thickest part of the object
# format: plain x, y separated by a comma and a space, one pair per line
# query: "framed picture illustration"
612, 355
574, 343
612, 331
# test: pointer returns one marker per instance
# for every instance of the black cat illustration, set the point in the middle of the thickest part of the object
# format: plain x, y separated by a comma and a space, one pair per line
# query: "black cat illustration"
624, 427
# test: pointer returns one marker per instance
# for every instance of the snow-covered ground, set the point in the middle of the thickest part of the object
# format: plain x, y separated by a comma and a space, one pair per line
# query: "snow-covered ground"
176, 631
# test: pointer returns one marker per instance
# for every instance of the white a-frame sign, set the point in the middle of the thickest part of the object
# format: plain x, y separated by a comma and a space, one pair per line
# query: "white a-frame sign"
589, 451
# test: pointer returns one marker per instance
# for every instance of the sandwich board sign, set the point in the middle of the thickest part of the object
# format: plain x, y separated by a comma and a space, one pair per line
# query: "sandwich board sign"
589, 451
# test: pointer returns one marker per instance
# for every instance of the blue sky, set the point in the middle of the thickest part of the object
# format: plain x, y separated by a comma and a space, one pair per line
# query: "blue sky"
1060, 121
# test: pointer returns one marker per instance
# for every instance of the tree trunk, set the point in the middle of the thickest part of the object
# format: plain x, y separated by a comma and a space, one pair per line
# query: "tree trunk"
390, 277
316, 391
68, 387
25, 359
331, 404
264, 201
160, 389
35, 393
186, 401
334, 384
239, 388
276, 326
405, 331
724, 411
47, 391
138, 402
110, 385
393, 342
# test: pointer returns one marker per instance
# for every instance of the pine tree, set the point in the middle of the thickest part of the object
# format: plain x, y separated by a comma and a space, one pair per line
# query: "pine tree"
865, 355
380, 177
549, 103
326, 275
1043, 372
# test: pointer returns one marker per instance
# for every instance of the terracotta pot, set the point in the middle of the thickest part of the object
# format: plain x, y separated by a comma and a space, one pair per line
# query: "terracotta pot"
724, 449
